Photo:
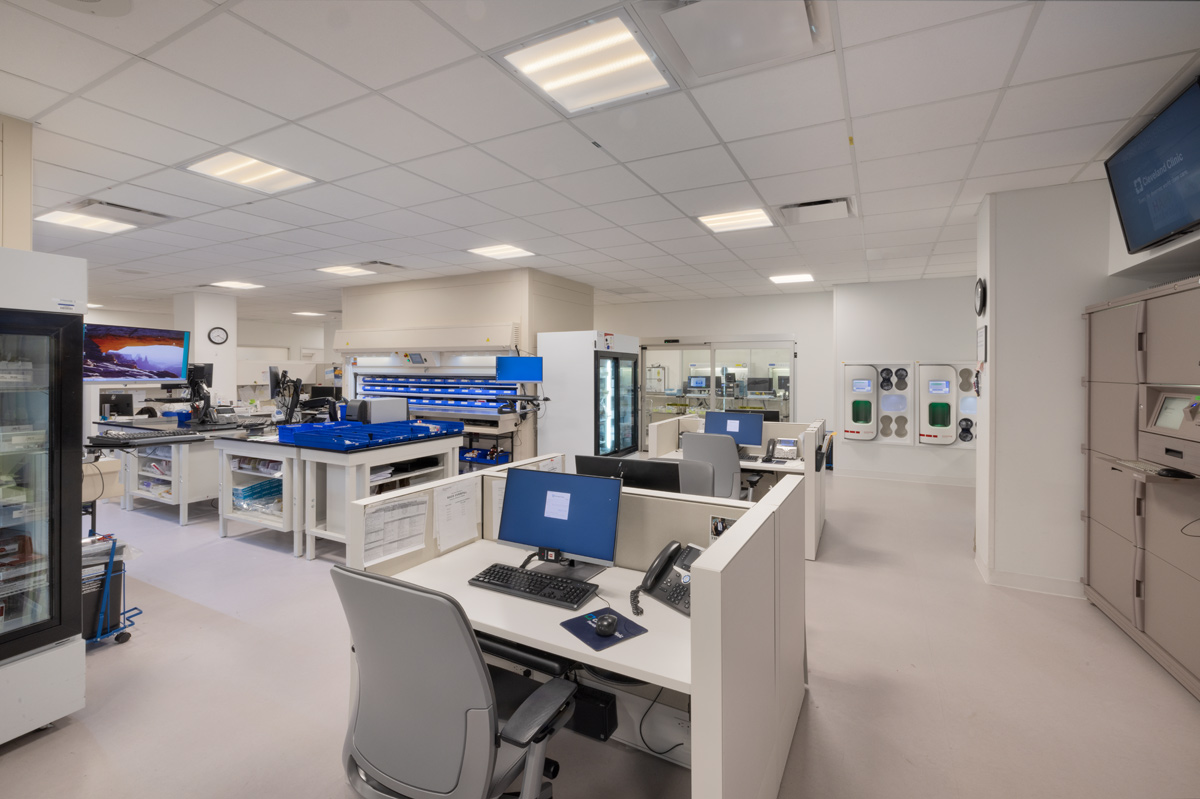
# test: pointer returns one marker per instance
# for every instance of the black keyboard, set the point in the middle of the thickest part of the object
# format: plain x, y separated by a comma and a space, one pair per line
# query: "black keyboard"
143, 438
538, 586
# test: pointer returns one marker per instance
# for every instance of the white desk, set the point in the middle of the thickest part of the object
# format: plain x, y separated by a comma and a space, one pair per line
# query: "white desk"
291, 474
662, 656
786, 467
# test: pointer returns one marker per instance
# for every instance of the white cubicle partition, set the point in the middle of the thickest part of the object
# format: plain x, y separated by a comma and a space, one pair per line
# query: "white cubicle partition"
663, 437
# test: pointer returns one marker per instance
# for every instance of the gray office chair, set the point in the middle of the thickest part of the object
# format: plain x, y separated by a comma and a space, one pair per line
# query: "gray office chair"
721, 451
695, 477
423, 721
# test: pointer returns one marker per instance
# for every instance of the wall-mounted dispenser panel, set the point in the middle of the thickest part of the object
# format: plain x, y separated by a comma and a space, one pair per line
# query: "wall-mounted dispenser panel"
897, 416
861, 407
937, 385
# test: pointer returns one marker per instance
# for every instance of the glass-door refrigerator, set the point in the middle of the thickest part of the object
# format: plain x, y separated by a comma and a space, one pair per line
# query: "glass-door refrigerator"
616, 403
41, 406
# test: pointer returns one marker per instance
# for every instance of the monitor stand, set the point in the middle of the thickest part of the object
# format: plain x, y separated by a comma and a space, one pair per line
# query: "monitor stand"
571, 569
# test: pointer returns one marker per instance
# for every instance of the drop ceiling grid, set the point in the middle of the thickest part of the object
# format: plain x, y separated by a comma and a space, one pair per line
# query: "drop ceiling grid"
656, 162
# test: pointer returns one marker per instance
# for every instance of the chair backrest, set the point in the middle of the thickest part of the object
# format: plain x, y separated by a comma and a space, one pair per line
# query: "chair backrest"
695, 477
423, 721
721, 451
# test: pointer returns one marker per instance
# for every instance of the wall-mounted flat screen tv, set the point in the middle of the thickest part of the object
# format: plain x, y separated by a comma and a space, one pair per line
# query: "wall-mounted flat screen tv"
1155, 176
129, 354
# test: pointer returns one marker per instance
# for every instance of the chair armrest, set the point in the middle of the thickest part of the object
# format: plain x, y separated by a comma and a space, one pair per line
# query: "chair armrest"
537, 712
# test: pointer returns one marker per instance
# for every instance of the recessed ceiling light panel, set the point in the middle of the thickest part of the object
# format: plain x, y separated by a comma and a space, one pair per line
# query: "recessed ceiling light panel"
738, 220
501, 251
94, 305
249, 172
235, 284
306, 313
791, 278
95, 223
590, 65
345, 271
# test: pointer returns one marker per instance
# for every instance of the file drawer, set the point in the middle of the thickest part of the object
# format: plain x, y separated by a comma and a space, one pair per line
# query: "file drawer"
1115, 336
1173, 349
1112, 497
1111, 561
1113, 419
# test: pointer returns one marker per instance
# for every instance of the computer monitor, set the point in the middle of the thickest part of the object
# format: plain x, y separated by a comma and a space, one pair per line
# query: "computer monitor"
202, 372
758, 384
512, 369
784, 380
697, 382
746, 428
273, 380
118, 404
730, 377
633, 472
574, 513
768, 416
320, 392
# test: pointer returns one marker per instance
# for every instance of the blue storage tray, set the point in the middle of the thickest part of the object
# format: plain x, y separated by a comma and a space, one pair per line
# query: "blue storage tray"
375, 435
287, 433
263, 489
480, 456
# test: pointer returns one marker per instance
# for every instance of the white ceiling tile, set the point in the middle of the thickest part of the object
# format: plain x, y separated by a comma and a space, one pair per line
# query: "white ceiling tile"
899, 238
798, 95
1109, 94
963, 212
542, 245
608, 237
640, 250
71, 181
1075, 37
117, 130
488, 26
197, 187
461, 211
707, 166
25, 99
314, 238
948, 247
466, 170
803, 187
548, 151
283, 211
661, 265
642, 209
474, 100
460, 239
1093, 171
721, 256
244, 222
794, 151
892, 253
39, 50
608, 184
148, 25
753, 238
396, 186
716, 199
974, 189
937, 195
175, 239
949, 263
375, 43
256, 68
835, 244
660, 125
959, 232
406, 223
572, 220
203, 230
355, 231
383, 129
514, 230
590, 257
154, 201
868, 20
906, 220
1073, 146
272, 244
926, 127
819, 230
525, 199
667, 229
300, 150
918, 169
702, 243
766, 251
153, 93
913, 69
338, 201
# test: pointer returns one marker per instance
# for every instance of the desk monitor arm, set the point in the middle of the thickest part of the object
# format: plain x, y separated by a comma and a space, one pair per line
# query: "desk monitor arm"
288, 398
201, 401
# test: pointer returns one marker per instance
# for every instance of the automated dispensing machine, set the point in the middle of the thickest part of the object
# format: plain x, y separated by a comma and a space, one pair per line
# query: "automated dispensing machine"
862, 399
948, 404
878, 403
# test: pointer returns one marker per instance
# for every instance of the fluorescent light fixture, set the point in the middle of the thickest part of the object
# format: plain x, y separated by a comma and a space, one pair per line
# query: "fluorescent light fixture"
738, 220
94, 305
791, 278
592, 64
86, 222
501, 251
345, 271
235, 284
306, 313
249, 172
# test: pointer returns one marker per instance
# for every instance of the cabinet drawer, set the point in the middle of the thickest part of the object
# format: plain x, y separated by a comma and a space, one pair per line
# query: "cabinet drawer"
1172, 347
1173, 612
1112, 497
1173, 525
1111, 567
1114, 337
1113, 419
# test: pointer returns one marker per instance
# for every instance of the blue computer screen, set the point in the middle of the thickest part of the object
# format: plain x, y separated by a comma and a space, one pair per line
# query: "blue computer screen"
746, 428
518, 370
571, 512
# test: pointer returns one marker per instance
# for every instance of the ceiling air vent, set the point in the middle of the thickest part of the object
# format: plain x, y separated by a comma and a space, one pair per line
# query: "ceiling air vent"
119, 213
372, 265
818, 211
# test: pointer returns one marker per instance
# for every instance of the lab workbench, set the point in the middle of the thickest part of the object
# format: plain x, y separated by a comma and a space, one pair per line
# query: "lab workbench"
239, 473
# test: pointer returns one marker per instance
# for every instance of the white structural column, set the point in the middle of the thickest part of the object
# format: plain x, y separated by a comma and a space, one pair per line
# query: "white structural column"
16, 184
199, 313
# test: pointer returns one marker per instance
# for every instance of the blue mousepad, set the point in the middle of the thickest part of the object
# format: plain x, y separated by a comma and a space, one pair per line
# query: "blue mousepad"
584, 628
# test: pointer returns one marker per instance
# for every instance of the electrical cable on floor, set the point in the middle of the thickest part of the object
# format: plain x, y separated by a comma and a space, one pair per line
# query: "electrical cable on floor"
103, 484
643, 721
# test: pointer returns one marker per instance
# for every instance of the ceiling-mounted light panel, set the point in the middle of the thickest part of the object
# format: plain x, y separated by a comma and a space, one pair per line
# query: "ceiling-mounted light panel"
235, 284
346, 271
93, 223
737, 220
791, 278
591, 65
243, 170
501, 251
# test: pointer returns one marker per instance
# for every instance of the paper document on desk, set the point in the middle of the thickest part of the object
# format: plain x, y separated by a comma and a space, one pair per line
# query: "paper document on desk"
552, 465
456, 520
497, 505
395, 529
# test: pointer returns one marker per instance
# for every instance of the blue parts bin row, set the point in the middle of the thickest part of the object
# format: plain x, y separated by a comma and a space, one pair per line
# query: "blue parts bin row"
348, 436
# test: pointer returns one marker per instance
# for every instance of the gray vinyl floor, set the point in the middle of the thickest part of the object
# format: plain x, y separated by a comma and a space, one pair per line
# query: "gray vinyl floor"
924, 682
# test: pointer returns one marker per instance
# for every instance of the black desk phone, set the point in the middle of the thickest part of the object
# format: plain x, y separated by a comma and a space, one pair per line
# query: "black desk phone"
669, 578
769, 453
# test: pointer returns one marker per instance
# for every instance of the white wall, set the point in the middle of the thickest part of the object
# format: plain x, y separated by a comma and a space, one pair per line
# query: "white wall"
1045, 255
931, 321
199, 312
159, 321
273, 334
806, 316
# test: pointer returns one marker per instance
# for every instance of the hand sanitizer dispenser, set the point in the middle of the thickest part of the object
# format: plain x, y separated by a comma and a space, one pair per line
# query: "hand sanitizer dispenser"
862, 400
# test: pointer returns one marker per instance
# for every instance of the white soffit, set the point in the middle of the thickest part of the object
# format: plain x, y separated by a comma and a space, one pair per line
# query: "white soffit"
719, 35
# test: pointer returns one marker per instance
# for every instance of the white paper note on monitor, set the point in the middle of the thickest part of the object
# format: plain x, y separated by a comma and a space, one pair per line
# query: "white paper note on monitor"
497, 505
558, 505
731, 425
456, 519
394, 529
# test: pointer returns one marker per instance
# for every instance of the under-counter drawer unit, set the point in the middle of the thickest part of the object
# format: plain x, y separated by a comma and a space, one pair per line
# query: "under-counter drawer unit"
1173, 612
1112, 562
1113, 419
1173, 347
1117, 339
1116, 497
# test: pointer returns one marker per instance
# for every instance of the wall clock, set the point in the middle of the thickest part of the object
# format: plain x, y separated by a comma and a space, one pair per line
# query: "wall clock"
980, 296
219, 335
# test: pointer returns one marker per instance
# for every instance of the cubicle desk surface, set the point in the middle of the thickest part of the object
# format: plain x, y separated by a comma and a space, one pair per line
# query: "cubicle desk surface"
663, 656
786, 467
290, 474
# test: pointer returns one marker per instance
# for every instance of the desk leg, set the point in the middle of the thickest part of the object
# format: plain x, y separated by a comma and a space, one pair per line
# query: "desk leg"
224, 479
293, 478
127, 477
180, 454
310, 511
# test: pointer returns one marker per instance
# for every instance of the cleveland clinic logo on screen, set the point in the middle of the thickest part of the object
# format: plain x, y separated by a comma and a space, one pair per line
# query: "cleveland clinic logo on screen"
1142, 182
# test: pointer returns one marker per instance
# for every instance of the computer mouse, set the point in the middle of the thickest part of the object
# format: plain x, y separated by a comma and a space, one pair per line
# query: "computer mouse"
1169, 472
606, 625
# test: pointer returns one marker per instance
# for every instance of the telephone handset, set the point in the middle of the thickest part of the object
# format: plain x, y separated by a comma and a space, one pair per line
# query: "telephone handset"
669, 578
769, 453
